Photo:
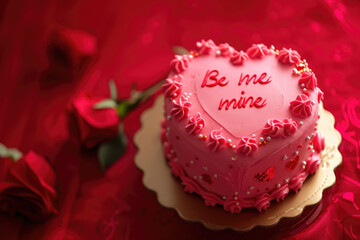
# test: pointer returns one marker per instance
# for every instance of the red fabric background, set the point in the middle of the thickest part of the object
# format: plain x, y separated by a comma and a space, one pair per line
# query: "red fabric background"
134, 45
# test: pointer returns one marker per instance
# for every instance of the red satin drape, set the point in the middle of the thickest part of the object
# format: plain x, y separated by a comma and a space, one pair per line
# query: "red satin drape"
134, 45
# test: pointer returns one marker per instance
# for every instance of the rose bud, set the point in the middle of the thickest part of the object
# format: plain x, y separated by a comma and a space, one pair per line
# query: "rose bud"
70, 51
28, 188
94, 126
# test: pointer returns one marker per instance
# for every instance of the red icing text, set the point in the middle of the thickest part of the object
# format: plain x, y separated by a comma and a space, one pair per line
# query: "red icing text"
258, 102
213, 75
212, 79
254, 78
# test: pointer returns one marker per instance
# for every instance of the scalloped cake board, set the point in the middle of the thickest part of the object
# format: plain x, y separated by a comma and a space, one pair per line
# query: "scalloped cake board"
158, 178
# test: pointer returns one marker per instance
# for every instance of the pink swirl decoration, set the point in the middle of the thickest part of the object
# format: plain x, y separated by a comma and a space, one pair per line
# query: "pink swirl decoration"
232, 205
216, 141
273, 128
312, 164
290, 127
180, 63
225, 49
238, 58
301, 107
258, 51
308, 79
190, 185
280, 193
247, 146
318, 142
205, 47
262, 202
181, 109
320, 95
297, 181
289, 56
176, 169
195, 124
173, 86
211, 199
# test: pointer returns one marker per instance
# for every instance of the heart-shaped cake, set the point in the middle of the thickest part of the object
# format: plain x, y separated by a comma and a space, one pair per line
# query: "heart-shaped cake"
240, 126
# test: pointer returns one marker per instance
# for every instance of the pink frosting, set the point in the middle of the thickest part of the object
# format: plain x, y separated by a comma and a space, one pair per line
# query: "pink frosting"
232, 205
319, 142
211, 199
297, 181
262, 202
301, 107
289, 56
273, 128
176, 169
258, 51
212, 79
225, 49
320, 95
308, 79
247, 146
195, 124
216, 141
290, 127
172, 87
237, 58
180, 63
280, 193
181, 109
190, 185
205, 47
313, 163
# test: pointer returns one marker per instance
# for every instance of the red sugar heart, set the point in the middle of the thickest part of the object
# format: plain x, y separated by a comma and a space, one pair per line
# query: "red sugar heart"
265, 176
292, 163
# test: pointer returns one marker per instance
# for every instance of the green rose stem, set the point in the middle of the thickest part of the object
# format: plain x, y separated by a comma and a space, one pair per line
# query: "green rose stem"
125, 106
109, 152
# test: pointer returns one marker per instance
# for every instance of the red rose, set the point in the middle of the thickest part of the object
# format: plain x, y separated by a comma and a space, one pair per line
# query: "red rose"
71, 50
28, 188
94, 125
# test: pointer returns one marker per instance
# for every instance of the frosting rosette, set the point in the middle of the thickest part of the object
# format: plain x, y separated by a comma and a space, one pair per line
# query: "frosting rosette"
225, 49
318, 142
308, 80
172, 87
297, 181
301, 107
313, 163
258, 51
216, 141
262, 202
280, 192
190, 185
195, 124
205, 47
238, 58
273, 128
211, 199
232, 205
180, 63
290, 127
289, 56
181, 109
247, 146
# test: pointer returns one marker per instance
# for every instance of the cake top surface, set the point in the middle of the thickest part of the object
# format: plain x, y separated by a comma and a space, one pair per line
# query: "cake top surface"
241, 99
